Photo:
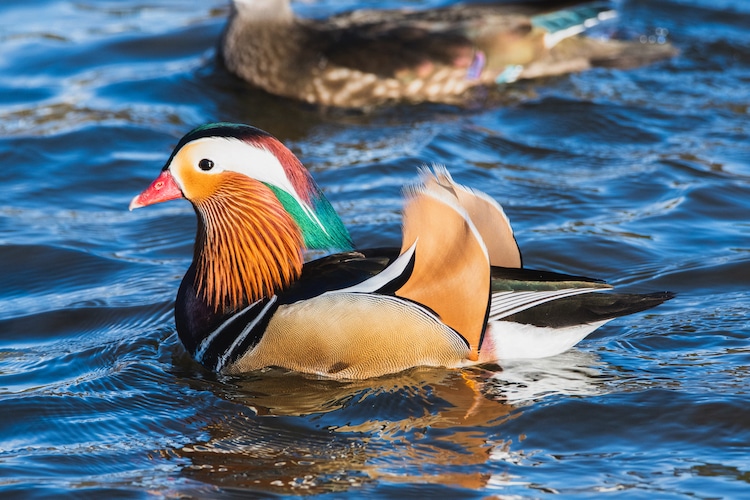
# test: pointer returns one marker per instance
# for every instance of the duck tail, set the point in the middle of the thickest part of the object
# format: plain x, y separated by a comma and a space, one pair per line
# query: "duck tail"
625, 54
552, 322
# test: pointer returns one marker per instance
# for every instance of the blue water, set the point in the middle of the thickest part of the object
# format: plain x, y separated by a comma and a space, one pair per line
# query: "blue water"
640, 177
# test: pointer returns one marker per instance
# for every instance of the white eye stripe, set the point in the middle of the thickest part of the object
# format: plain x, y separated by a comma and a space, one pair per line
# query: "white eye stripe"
234, 155
229, 154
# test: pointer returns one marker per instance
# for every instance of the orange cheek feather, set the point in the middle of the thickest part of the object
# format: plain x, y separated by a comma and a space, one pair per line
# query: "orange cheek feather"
197, 186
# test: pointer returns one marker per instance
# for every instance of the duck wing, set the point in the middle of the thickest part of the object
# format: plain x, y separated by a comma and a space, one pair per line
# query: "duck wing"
338, 271
397, 48
420, 44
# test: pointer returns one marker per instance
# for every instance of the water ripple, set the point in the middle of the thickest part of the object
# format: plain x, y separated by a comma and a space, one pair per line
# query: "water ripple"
638, 176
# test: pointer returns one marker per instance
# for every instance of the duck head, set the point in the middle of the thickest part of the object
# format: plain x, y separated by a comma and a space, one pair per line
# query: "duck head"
258, 208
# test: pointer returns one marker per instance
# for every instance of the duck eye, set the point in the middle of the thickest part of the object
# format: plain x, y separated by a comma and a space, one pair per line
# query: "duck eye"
205, 164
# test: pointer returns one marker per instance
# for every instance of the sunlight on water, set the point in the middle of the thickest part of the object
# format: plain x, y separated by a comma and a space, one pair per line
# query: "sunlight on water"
640, 177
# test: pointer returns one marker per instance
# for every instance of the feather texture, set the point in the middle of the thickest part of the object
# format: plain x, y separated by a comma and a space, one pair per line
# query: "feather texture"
247, 247
486, 214
451, 272
453, 295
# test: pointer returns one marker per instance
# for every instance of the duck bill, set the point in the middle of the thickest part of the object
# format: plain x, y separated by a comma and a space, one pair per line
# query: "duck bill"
164, 188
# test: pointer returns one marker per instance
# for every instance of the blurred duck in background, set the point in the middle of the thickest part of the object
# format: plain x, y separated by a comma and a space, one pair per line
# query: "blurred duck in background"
365, 58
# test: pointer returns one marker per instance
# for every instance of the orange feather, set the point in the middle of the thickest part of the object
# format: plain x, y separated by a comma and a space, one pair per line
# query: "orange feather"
451, 272
247, 247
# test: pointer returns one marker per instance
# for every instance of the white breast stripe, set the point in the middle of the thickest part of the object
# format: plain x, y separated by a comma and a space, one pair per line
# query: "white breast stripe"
207, 341
385, 276
224, 358
507, 303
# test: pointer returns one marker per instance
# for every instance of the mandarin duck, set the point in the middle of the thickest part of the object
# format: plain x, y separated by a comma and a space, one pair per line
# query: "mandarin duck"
454, 294
368, 57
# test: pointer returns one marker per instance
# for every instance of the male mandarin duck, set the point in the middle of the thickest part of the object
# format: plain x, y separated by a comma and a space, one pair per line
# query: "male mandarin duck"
367, 57
455, 293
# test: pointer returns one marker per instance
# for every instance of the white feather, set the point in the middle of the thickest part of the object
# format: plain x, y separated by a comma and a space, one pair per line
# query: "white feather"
510, 340
221, 363
206, 343
385, 276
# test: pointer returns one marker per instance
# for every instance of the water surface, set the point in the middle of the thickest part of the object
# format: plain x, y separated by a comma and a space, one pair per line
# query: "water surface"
639, 177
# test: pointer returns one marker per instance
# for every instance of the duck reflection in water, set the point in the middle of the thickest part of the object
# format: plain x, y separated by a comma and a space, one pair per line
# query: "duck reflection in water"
293, 433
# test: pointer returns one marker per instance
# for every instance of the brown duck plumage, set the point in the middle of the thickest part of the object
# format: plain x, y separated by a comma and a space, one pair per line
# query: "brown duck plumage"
368, 57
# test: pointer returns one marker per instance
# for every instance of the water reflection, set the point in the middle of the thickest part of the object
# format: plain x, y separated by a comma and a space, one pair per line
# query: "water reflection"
573, 373
293, 433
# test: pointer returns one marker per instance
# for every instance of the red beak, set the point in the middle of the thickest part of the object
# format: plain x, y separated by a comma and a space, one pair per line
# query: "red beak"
164, 188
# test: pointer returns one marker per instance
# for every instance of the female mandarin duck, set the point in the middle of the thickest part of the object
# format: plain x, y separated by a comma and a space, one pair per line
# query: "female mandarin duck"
368, 57
453, 295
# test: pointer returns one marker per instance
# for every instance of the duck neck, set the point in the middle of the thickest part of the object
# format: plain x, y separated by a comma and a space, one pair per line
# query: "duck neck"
264, 43
263, 11
247, 248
